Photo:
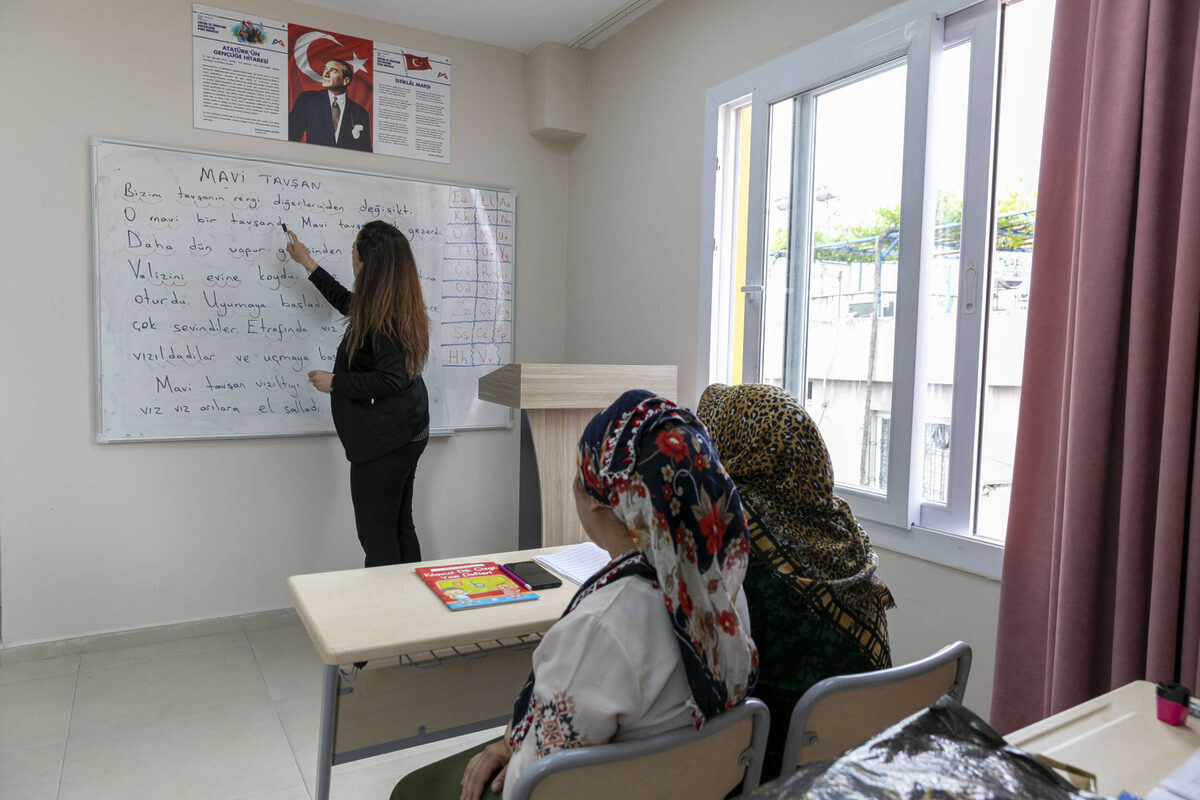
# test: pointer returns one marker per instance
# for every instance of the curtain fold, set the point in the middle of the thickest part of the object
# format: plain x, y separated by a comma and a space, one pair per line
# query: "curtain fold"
1101, 579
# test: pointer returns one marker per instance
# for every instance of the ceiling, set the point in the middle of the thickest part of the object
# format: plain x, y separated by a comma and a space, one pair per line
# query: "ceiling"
516, 24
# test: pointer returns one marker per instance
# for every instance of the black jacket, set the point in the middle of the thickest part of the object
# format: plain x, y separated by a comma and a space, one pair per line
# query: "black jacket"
376, 406
310, 115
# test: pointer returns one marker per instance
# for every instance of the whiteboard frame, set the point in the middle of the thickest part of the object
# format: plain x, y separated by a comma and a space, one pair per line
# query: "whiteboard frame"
96, 141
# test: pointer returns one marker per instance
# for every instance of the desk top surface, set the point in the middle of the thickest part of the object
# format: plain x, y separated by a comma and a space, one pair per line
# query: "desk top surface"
362, 614
1116, 736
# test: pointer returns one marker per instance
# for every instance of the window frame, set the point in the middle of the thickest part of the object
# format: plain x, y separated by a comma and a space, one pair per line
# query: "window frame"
979, 25
916, 31
724, 239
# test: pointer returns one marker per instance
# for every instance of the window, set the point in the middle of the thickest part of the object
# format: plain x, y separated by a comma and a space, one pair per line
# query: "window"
882, 228
729, 243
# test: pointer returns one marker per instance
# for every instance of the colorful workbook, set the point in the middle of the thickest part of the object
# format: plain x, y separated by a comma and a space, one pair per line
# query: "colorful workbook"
483, 583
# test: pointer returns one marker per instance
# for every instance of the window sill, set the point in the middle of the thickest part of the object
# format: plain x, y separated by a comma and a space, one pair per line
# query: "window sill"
978, 556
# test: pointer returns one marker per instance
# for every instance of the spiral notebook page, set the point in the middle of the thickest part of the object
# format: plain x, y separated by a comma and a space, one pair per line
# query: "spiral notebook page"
577, 563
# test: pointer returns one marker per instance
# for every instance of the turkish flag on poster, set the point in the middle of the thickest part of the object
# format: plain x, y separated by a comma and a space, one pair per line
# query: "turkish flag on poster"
328, 69
416, 62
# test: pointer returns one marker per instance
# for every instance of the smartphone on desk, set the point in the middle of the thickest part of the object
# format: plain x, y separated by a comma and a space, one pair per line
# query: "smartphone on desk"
534, 574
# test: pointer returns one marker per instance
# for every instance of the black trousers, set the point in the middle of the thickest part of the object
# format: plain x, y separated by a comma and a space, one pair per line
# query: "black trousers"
382, 493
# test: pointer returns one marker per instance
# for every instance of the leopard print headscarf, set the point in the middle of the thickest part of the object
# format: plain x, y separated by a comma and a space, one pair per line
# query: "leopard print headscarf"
806, 535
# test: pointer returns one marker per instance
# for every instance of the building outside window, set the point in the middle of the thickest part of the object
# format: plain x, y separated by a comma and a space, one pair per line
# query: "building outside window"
872, 230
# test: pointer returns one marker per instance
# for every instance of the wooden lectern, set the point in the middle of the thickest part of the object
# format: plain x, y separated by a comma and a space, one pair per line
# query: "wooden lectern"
558, 400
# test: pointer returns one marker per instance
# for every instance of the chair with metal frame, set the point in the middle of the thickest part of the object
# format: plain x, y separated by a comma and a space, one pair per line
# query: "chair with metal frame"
684, 764
844, 711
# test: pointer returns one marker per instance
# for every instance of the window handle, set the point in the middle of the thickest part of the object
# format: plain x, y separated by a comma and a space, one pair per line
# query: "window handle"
970, 284
752, 288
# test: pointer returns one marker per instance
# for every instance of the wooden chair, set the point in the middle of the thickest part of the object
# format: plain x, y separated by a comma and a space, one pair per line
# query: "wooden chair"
844, 711
686, 764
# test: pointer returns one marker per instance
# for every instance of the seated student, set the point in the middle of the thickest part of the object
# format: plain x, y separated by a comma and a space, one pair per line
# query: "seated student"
652, 641
816, 606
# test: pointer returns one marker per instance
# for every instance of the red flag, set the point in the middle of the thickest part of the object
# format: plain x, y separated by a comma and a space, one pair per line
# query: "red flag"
311, 48
416, 62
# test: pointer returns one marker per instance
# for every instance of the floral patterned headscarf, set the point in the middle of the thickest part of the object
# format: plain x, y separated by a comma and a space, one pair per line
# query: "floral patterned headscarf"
652, 463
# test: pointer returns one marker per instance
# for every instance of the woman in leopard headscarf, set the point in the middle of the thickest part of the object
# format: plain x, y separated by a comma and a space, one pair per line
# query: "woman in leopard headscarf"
816, 606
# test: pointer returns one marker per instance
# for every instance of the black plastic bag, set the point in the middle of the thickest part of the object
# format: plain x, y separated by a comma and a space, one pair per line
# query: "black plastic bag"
941, 753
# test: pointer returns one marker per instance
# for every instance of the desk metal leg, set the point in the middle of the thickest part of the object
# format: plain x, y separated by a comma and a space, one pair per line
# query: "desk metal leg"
325, 739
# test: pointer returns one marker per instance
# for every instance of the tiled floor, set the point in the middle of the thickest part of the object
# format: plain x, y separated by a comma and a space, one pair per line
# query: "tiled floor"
217, 717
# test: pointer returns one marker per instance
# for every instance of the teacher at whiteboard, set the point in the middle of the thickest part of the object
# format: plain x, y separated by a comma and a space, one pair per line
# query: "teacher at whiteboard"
377, 395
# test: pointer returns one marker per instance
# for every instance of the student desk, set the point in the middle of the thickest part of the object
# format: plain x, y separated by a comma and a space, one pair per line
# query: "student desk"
434, 673
1117, 737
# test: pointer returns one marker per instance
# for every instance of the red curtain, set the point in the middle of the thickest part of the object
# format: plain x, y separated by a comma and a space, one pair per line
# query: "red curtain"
1101, 580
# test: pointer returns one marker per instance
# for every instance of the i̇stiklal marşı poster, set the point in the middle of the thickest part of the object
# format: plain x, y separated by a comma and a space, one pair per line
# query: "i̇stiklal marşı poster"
281, 80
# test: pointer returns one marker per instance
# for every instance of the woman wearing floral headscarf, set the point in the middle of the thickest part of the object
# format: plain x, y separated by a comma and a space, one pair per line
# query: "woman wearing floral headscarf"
652, 642
816, 605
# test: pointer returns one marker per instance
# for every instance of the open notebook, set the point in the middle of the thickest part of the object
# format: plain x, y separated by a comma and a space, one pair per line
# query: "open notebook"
1182, 784
577, 563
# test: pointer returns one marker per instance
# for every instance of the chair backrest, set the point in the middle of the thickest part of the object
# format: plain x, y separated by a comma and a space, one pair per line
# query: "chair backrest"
844, 711
687, 763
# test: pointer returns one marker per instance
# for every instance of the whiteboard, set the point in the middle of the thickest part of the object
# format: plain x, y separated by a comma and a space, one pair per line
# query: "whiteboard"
207, 329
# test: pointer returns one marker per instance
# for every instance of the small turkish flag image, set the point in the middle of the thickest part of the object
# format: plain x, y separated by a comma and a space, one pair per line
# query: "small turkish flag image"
416, 62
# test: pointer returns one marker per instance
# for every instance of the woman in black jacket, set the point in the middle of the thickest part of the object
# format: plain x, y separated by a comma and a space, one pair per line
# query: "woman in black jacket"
377, 395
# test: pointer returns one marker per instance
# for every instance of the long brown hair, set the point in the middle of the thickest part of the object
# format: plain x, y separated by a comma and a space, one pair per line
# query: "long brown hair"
387, 295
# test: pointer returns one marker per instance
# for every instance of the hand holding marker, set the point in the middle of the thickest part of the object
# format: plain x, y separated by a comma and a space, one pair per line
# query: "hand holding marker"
296, 249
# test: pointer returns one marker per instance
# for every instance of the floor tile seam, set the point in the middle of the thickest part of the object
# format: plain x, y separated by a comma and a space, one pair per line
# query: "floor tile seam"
39, 677
258, 657
293, 695
7, 651
164, 657
274, 631
59, 677
279, 719
86, 651
26, 748
83, 641
265, 792
62, 765
293, 619
174, 718
262, 674
295, 755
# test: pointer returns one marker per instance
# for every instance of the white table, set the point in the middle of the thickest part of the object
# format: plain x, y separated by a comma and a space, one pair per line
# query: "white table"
434, 673
1117, 737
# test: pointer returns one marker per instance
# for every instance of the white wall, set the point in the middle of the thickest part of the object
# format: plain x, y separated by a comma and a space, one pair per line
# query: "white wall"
97, 538
936, 606
632, 293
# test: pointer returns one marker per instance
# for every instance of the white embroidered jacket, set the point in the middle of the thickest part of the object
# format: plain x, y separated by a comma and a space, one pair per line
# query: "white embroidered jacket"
608, 671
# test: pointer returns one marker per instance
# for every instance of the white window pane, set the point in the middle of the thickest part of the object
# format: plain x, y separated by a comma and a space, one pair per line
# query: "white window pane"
779, 186
1025, 58
941, 302
854, 197
729, 256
